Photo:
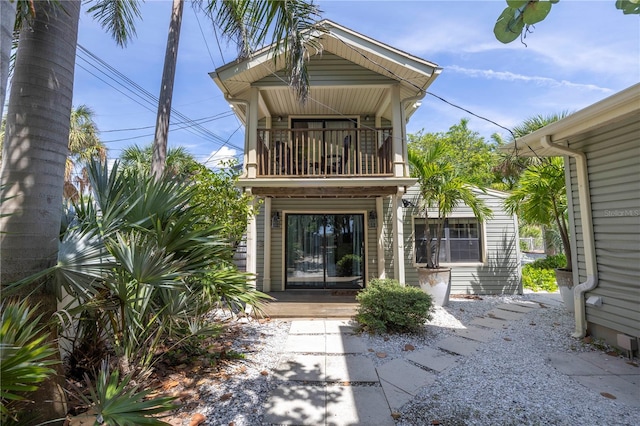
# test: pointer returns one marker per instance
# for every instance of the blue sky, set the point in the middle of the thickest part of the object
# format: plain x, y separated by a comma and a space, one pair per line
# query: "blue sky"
583, 52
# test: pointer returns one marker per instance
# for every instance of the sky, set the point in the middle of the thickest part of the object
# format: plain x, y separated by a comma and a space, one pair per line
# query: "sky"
584, 51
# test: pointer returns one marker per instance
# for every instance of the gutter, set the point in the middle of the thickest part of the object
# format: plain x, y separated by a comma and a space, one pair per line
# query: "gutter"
587, 233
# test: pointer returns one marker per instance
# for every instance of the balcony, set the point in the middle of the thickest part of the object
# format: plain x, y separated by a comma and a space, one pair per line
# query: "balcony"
324, 153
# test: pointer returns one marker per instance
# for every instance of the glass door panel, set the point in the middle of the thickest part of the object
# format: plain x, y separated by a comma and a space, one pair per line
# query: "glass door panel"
324, 251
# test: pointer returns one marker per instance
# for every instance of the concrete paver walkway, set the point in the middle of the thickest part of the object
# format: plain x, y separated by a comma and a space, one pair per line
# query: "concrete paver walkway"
327, 378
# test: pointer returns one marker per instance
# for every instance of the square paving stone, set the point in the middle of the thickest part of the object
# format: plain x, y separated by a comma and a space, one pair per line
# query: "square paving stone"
396, 397
458, 345
624, 391
307, 327
358, 405
514, 307
505, 315
301, 368
350, 368
296, 405
345, 344
475, 333
339, 327
302, 343
611, 364
405, 376
570, 364
433, 359
489, 322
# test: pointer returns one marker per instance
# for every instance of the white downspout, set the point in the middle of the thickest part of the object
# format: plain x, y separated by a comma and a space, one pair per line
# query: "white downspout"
587, 233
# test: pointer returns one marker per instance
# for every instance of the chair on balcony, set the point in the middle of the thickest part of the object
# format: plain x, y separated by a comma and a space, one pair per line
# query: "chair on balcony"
340, 161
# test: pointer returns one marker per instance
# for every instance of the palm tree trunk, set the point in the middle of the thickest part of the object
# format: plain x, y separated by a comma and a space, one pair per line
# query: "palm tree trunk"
7, 18
166, 91
34, 155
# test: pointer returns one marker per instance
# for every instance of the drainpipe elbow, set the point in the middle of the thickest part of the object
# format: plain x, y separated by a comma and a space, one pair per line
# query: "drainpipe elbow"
578, 302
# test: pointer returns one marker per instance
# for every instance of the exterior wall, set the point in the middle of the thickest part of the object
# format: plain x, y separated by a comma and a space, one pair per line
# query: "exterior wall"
613, 161
316, 206
499, 273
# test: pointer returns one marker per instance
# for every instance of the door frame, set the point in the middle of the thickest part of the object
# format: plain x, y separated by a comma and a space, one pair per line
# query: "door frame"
283, 246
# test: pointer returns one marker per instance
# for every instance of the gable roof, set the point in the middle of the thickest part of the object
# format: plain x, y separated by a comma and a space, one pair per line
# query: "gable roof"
365, 54
619, 107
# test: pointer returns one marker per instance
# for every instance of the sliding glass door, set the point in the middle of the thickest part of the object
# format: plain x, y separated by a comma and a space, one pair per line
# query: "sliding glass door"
324, 251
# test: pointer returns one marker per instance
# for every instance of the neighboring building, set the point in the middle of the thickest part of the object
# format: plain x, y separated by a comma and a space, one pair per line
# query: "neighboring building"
332, 174
601, 145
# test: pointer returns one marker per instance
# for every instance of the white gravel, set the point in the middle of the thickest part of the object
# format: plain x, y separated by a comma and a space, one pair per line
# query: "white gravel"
508, 381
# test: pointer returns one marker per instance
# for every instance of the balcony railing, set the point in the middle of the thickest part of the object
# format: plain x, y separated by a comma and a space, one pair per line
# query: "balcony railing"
309, 152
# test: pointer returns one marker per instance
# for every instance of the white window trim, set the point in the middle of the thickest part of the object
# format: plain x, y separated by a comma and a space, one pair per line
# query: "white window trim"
482, 238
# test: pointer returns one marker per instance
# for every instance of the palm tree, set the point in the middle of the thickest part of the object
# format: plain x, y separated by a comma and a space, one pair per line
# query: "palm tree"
249, 23
33, 160
443, 189
541, 198
179, 162
84, 145
7, 20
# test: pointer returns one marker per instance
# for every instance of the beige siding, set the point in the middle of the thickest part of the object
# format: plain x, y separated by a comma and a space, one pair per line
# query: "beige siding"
312, 205
500, 271
613, 157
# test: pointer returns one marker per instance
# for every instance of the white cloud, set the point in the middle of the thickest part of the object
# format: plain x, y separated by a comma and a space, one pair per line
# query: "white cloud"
218, 157
538, 80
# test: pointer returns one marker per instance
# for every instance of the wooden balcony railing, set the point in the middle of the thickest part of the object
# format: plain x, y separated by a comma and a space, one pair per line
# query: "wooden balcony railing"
304, 153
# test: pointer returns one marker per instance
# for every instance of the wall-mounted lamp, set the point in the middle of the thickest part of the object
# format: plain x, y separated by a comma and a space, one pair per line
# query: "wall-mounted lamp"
279, 118
407, 203
373, 219
366, 118
275, 219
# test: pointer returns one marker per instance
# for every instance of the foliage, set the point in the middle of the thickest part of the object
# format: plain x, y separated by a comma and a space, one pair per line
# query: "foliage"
557, 261
385, 305
539, 279
25, 357
519, 15
221, 202
179, 162
141, 264
469, 154
348, 265
442, 188
540, 198
117, 402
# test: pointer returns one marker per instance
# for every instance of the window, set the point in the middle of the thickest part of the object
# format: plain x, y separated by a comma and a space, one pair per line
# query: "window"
460, 241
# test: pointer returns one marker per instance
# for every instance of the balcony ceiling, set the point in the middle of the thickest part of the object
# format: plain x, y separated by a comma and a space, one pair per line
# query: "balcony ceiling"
350, 75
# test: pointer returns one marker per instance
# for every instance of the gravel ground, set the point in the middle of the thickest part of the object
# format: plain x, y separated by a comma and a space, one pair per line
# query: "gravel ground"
506, 382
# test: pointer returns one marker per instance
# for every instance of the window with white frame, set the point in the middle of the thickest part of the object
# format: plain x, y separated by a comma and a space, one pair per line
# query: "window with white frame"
461, 240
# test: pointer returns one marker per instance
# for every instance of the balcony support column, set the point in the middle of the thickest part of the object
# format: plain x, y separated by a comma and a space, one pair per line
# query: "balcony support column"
380, 238
398, 127
266, 274
252, 242
252, 132
398, 237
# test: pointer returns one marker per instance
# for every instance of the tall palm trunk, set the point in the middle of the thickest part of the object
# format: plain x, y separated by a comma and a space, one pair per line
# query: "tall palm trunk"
34, 155
7, 18
166, 90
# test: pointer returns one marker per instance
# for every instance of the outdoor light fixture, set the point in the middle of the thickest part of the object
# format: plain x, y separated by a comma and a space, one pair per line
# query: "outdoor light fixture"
366, 118
373, 219
279, 118
407, 203
275, 219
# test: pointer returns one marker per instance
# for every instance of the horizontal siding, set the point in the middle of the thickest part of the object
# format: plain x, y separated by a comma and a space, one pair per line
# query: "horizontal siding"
613, 158
499, 274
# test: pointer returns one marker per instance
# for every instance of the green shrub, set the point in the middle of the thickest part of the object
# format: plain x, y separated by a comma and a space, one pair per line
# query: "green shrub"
539, 279
385, 305
550, 262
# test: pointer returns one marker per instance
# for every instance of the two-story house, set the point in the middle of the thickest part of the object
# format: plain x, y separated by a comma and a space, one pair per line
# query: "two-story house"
330, 173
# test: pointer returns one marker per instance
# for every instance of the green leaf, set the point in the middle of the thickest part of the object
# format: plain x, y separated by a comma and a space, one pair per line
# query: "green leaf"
628, 7
509, 25
535, 12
